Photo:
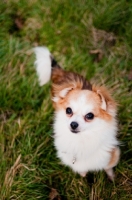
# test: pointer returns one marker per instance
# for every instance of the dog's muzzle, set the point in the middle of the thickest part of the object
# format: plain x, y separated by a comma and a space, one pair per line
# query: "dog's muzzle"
74, 126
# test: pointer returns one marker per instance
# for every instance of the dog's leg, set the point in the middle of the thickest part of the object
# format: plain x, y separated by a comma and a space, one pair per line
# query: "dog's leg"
115, 154
110, 174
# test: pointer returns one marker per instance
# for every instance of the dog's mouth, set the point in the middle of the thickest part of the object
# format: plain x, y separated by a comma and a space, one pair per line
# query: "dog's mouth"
75, 131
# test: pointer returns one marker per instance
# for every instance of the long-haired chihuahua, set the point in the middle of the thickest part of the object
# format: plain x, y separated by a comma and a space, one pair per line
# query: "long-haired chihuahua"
85, 125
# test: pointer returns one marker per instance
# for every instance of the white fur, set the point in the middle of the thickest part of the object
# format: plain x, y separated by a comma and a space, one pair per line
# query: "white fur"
90, 148
43, 64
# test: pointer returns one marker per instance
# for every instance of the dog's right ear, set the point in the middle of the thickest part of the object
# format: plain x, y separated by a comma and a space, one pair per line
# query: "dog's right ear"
108, 104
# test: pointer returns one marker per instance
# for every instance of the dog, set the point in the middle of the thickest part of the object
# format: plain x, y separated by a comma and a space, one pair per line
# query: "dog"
85, 125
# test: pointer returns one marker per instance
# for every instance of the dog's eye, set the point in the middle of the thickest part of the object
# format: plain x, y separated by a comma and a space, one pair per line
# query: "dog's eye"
89, 116
68, 111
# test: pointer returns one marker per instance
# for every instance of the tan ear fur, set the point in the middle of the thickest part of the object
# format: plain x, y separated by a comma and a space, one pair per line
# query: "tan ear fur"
60, 93
103, 101
107, 102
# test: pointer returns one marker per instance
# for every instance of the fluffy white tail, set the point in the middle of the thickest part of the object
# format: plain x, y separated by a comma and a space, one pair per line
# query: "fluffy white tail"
43, 64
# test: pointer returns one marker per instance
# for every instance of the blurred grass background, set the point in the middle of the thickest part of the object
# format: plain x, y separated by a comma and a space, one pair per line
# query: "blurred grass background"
93, 38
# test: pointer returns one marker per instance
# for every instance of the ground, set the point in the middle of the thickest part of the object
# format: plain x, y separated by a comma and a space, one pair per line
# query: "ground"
92, 38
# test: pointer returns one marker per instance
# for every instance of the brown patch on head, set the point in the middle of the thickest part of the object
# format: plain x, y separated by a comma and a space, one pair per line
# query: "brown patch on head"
67, 81
61, 77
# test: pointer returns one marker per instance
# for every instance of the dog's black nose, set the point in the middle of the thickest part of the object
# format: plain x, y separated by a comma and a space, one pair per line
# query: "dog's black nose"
74, 125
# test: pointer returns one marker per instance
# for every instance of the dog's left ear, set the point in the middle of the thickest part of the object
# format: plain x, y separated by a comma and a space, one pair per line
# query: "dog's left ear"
107, 102
61, 93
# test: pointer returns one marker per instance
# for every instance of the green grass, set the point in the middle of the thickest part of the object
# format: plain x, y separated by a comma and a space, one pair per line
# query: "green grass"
29, 168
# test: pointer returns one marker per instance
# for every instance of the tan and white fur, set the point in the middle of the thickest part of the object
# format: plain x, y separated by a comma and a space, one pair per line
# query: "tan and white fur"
85, 125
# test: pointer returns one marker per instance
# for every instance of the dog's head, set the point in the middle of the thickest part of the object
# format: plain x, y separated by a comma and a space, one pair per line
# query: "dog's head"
81, 105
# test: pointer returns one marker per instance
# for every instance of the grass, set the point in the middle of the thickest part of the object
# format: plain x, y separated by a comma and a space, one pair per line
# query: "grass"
89, 37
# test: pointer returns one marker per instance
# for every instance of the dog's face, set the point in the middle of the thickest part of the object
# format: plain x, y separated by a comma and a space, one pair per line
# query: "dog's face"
82, 109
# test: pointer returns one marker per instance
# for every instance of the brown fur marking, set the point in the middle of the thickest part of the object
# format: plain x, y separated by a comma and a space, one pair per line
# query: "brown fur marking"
63, 79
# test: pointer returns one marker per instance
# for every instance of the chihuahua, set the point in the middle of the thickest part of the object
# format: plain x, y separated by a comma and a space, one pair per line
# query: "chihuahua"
85, 125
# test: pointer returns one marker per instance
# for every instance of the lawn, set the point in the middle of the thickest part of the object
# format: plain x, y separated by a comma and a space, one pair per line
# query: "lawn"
93, 38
